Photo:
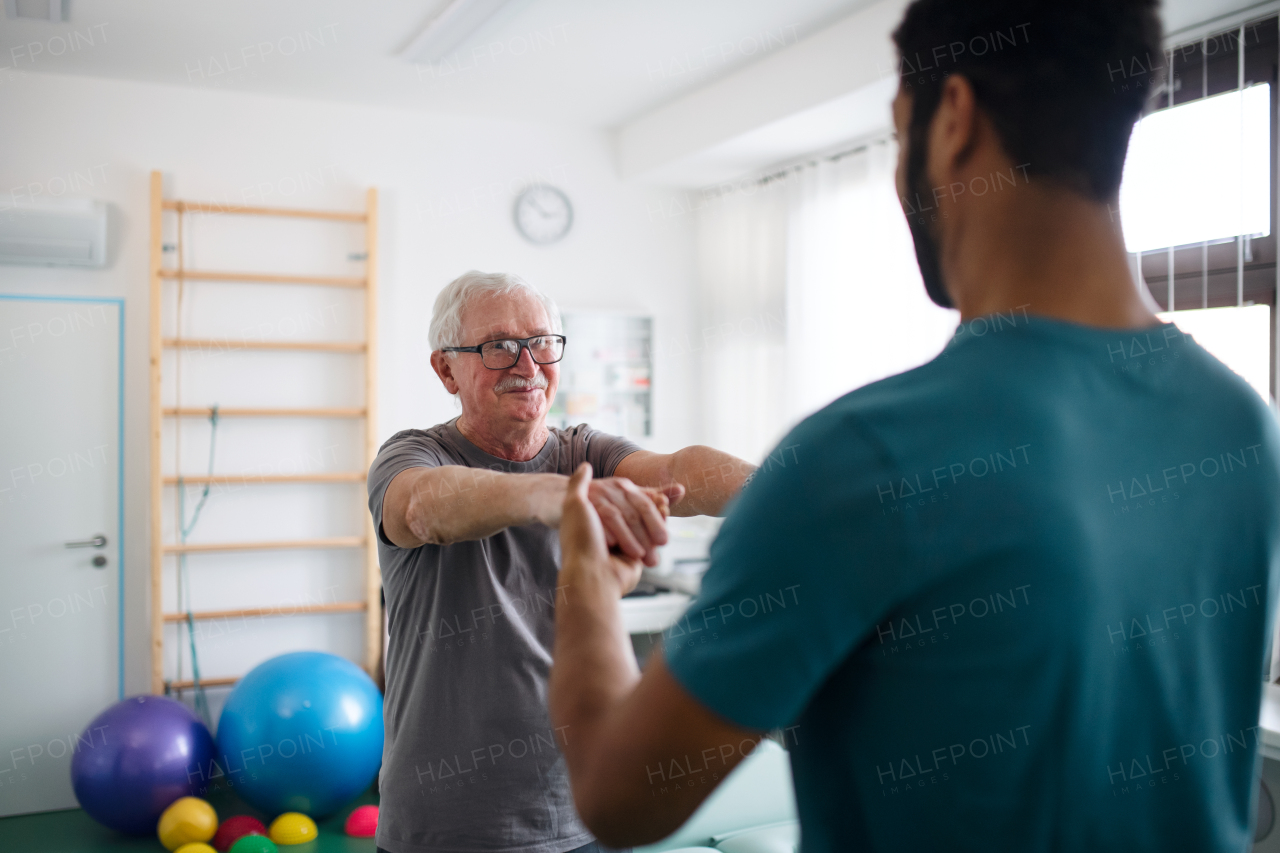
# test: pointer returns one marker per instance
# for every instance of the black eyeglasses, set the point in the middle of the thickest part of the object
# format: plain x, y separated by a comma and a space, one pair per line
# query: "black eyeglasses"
504, 353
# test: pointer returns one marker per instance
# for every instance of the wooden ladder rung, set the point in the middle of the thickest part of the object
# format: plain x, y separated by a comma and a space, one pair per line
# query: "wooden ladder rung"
254, 479
265, 278
231, 345
230, 412
187, 684
284, 545
279, 610
161, 277
245, 210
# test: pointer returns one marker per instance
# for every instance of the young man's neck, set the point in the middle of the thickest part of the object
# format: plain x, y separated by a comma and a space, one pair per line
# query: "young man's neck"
1046, 251
519, 442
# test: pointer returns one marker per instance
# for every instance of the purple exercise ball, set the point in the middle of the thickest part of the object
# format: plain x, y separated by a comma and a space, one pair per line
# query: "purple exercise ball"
136, 758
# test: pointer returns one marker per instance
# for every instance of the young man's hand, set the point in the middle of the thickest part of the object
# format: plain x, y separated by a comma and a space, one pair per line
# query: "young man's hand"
584, 543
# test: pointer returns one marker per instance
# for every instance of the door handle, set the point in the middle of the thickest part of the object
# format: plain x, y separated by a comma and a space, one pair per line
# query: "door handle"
98, 541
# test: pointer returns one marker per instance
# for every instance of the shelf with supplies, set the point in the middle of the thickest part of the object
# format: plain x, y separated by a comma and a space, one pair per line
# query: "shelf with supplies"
606, 377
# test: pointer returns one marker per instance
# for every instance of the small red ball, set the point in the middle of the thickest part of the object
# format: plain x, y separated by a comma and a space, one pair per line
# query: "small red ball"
236, 827
363, 822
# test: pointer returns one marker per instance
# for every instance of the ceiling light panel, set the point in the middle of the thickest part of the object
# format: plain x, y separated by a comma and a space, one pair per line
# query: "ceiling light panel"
450, 29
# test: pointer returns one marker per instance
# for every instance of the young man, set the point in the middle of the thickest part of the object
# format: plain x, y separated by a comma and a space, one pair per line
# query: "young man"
1029, 585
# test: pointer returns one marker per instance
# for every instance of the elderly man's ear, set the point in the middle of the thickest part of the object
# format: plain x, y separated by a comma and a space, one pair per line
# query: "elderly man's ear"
443, 366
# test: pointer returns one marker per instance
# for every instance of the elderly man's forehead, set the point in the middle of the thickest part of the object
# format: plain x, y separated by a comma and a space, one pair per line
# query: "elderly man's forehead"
492, 315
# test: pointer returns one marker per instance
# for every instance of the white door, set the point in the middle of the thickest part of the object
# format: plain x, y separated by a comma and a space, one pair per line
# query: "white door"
61, 614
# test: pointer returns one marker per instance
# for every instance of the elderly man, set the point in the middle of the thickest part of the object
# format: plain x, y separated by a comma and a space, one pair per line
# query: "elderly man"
465, 514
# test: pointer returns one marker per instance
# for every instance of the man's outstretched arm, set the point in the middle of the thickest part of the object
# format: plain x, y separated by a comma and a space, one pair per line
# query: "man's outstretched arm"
623, 731
454, 503
710, 477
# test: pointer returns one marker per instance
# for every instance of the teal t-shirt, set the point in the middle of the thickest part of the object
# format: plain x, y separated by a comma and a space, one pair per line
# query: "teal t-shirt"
1018, 598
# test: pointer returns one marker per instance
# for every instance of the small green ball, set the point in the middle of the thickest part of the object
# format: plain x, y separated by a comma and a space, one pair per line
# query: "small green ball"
253, 844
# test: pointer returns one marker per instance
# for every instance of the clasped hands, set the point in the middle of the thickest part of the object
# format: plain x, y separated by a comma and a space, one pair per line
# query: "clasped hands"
613, 525
633, 518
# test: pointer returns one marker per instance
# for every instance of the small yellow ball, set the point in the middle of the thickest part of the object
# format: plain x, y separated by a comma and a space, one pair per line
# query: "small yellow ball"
187, 819
195, 847
293, 828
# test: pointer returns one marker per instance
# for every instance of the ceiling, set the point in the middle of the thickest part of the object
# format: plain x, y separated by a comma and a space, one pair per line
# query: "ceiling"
587, 63
593, 63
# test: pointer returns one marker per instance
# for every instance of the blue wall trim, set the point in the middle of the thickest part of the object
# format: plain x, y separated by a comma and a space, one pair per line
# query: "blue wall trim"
119, 303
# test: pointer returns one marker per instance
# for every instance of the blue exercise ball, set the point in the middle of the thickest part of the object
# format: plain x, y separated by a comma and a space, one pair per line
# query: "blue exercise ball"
301, 732
136, 758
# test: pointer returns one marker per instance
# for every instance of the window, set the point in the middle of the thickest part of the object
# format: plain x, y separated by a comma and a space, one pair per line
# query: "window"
1200, 172
1199, 196
1238, 337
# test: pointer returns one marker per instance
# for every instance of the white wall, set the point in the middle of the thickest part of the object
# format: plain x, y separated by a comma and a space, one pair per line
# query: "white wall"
446, 187
828, 88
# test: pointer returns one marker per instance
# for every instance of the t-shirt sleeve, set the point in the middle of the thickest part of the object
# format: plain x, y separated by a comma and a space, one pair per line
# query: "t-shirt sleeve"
804, 567
602, 450
402, 451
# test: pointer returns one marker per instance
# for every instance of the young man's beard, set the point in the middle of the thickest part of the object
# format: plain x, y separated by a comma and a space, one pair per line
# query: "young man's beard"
921, 235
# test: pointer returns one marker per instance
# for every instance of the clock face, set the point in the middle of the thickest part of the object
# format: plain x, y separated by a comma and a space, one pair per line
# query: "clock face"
543, 214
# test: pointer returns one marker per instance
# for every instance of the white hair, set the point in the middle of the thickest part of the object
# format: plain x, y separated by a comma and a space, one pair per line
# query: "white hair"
446, 318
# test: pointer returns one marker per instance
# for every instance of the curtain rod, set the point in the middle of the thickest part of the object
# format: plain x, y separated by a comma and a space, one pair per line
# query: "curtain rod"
1221, 23
779, 172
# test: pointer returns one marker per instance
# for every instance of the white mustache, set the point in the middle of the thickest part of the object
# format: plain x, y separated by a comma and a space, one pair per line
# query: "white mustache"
512, 382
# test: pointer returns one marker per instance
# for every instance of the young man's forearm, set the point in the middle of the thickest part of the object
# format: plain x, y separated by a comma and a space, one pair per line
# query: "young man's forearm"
592, 650
620, 728
594, 666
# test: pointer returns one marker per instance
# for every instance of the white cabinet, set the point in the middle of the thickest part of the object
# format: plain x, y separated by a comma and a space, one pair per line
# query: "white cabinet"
606, 375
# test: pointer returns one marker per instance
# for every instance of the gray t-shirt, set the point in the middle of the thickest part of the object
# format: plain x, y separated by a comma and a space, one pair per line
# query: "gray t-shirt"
471, 763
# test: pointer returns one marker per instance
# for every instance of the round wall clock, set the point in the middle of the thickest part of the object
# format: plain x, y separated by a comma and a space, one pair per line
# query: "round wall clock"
543, 214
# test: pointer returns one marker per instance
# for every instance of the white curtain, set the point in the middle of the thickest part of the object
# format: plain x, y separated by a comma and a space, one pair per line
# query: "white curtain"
743, 303
809, 289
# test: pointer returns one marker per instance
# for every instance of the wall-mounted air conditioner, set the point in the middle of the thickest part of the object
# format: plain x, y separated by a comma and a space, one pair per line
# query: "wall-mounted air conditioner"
65, 232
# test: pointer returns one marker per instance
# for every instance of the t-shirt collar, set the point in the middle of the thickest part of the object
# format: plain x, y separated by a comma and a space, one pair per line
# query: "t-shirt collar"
996, 325
482, 459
